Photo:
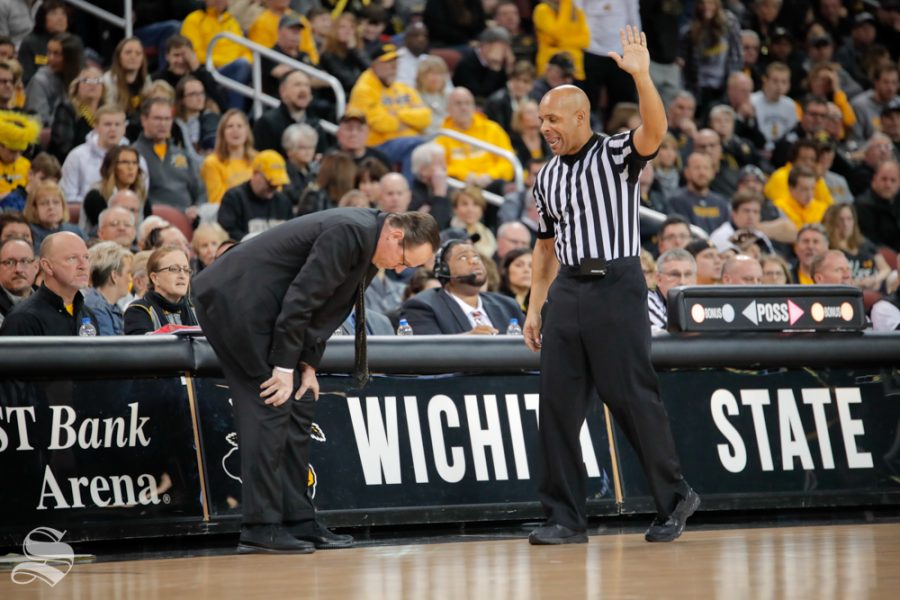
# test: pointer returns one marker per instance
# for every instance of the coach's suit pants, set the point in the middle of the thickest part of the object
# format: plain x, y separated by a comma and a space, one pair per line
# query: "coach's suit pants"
274, 445
596, 334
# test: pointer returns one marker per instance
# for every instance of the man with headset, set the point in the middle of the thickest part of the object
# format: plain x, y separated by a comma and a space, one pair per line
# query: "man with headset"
460, 306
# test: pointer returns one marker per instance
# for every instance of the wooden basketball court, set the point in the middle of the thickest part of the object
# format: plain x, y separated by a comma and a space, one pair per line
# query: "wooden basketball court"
818, 562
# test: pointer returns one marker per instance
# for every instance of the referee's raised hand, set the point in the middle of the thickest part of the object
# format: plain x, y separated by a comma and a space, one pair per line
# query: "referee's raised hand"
635, 58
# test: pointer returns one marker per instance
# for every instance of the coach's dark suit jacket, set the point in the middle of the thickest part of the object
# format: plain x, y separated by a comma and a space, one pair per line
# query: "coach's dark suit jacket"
275, 299
434, 312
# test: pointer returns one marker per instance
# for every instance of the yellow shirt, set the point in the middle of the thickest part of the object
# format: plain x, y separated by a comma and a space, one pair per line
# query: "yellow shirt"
201, 25
560, 32
392, 112
14, 175
801, 215
220, 176
264, 31
463, 159
777, 186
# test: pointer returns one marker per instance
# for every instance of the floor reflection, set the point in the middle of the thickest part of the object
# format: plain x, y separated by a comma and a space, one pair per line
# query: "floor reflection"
821, 562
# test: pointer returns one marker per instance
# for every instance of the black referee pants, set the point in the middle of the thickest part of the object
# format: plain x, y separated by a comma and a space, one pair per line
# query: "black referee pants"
596, 334
274, 443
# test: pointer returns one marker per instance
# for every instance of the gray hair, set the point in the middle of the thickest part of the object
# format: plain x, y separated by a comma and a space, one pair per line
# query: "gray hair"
297, 133
107, 212
107, 258
722, 109
673, 255
423, 155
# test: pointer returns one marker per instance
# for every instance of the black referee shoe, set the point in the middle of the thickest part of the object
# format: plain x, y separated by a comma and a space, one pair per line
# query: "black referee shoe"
670, 528
272, 539
317, 534
552, 534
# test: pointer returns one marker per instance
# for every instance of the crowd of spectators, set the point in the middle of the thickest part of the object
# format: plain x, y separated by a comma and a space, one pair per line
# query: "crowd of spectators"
126, 167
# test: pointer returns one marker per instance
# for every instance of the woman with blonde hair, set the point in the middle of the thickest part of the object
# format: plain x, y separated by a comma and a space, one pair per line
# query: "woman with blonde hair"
47, 212
525, 136
341, 55
230, 163
868, 268
468, 209
127, 78
432, 83
205, 244
74, 117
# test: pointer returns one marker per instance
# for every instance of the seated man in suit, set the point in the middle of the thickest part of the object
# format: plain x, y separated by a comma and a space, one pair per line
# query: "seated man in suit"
459, 306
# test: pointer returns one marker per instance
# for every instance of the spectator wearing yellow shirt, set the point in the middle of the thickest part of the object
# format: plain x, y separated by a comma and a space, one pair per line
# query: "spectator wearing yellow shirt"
560, 27
394, 111
264, 30
230, 163
468, 163
231, 59
798, 204
805, 153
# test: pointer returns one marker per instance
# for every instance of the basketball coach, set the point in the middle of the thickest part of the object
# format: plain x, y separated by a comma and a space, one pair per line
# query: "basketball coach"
592, 323
267, 307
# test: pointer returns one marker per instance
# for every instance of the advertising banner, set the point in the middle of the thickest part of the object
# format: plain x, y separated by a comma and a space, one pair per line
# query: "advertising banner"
461, 443
76, 455
780, 437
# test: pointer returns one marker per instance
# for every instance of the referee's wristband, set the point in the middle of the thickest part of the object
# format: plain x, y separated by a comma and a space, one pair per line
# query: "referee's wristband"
283, 370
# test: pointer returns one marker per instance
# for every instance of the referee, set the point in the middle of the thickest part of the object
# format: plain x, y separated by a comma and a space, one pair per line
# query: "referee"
592, 322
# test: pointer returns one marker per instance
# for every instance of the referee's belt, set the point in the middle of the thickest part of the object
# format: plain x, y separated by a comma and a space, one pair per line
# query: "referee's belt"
589, 267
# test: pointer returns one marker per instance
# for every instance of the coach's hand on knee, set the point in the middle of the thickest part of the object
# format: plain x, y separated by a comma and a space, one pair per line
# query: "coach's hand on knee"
308, 383
277, 388
532, 331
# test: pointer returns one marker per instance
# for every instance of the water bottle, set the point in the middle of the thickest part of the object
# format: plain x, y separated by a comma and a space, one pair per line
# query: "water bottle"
404, 328
513, 328
87, 328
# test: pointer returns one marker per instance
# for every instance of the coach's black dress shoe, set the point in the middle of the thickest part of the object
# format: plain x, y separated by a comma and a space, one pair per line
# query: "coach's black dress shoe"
551, 534
670, 528
271, 539
320, 536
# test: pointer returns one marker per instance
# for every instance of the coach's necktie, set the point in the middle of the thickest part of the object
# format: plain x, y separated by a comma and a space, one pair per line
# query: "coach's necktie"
361, 364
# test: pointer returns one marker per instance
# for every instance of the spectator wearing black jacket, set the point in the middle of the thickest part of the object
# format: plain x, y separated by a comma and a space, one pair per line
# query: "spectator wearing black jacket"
259, 204
296, 94
166, 301
288, 44
482, 70
57, 307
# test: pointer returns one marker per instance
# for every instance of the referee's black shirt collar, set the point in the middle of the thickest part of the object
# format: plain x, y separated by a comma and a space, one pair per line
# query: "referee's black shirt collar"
571, 159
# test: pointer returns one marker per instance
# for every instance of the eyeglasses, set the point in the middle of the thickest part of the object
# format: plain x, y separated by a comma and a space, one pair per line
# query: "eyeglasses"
678, 274
175, 270
7, 81
119, 223
92, 80
817, 115
11, 263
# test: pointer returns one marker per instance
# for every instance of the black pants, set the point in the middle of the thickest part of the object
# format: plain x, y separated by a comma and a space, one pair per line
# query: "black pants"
596, 334
274, 445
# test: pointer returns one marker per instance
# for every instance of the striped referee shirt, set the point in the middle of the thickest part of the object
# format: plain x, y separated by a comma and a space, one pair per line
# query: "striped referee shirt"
657, 310
589, 200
